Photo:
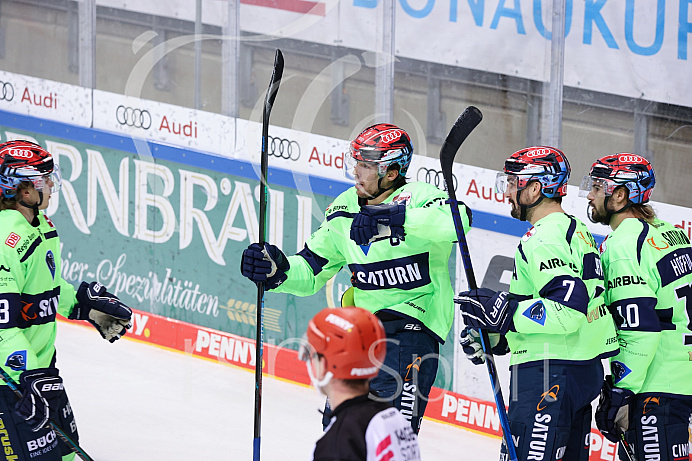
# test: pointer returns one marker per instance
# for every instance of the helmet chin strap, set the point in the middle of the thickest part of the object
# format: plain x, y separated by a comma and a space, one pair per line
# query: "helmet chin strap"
318, 384
524, 208
380, 190
35, 206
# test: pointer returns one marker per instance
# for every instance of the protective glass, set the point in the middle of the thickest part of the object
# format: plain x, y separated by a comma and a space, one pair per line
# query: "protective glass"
597, 185
305, 351
350, 164
53, 178
503, 181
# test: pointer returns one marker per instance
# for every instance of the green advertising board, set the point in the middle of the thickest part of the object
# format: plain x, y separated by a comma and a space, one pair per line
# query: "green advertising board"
164, 228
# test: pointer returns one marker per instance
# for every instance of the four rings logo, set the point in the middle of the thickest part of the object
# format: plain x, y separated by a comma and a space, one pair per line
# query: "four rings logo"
284, 148
630, 158
137, 118
434, 177
391, 136
6, 91
20, 153
537, 152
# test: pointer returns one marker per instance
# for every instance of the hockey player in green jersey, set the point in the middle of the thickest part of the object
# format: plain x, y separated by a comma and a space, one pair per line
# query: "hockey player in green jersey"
395, 238
553, 317
32, 292
647, 265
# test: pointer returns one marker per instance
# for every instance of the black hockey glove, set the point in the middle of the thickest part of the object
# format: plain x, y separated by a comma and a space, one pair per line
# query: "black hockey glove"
470, 341
486, 309
612, 412
268, 265
103, 310
41, 392
379, 221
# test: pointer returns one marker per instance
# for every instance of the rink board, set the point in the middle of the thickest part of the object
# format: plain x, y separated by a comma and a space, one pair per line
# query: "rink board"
445, 406
192, 181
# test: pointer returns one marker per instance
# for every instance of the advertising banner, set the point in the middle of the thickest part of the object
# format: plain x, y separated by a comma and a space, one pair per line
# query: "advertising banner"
44, 98
166, 123
165, 231
644, 44
162, 222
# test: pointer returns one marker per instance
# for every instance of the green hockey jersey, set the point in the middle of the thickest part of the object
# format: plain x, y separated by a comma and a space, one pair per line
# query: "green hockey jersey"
410, 276
559, 284
31, 292
648, 273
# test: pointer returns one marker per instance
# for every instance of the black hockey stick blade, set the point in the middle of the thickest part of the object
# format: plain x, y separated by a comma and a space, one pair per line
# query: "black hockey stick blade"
269, 99
272, 91
467, 121
274, 83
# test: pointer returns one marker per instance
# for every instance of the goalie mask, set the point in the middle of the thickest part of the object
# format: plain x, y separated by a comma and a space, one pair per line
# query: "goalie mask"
351, 340
624, 169
547, 165
383, 146
24, 161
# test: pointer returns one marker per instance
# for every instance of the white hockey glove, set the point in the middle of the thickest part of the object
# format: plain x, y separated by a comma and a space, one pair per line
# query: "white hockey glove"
103, 310
470, 341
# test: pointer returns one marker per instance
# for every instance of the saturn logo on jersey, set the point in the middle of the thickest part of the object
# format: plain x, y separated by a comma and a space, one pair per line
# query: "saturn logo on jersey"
548, 396
536, 312
655, 245
50, 261
402, 273
415, 365
26, 307
652, 401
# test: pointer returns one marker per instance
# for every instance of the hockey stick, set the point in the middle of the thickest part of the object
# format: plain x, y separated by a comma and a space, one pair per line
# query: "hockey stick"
628, 448
466, 122
264, 191
74, 446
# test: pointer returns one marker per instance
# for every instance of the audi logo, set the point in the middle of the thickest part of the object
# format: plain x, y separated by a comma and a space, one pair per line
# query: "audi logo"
20, 153
391, 136
434, 177
630, 158
537, 152
137, 118
284, 148
6, 91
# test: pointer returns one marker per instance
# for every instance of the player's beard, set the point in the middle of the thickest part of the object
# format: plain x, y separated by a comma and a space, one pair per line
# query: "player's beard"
515, 212
598, 213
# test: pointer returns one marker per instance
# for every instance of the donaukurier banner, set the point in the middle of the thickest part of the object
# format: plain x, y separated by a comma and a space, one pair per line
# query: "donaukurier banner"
644, 44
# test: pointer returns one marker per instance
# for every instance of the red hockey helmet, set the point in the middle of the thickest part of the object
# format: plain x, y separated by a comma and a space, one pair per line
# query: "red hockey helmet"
382, 144
545, 164
351, 340
623, 169
22, 161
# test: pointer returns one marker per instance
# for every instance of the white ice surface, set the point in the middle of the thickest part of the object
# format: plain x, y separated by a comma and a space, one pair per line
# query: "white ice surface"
134, 401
